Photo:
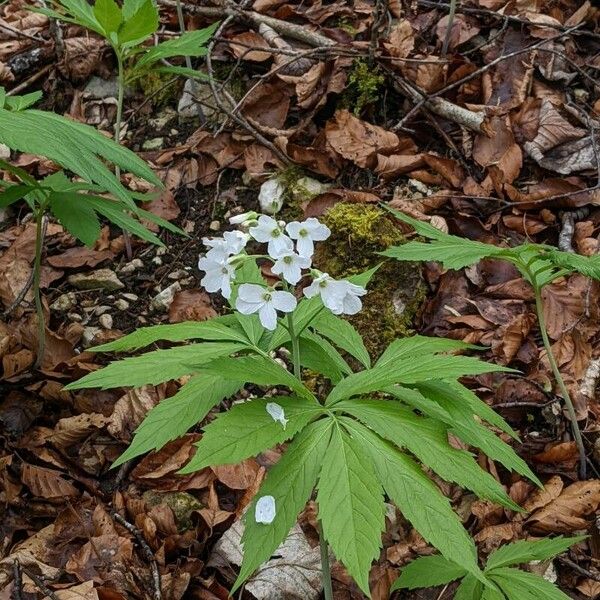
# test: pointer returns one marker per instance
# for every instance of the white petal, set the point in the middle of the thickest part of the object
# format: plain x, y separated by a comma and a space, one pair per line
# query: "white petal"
292, 273
283, 301
305, 246
265, 511
268, 315
320, 233
277, 413
260, 233
312, 290
226, 288
211, 282
251, 292
279, 245
357, 290
246, 308
293, 228
351, 304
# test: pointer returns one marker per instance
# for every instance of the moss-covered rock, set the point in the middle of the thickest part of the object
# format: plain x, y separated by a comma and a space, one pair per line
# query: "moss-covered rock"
155, 85
396, 292
181, 503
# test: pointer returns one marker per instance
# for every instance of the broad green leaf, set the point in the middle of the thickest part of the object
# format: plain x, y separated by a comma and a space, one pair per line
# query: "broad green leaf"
22, 102
464, 425
13, 193
418, 498
252, 326
408, 371
491, 594
318, 355
256, 369
365, 277
142, 23
519, 585
247, 429
469, 589
427, 439
586, 265
108, 14
131, 7
525, 551
212, 330
290, 481
343, 335
173, 417
351, 507
155, 367
417, 400
183, 72
428, 571
77, 216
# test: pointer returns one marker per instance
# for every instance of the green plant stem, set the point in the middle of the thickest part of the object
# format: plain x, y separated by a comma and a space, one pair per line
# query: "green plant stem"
539, 306
295, 347
37, 272
325, 567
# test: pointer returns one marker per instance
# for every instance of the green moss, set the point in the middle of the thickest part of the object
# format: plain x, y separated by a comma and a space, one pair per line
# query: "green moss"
155, 84
365, 83
181, 503
396, 292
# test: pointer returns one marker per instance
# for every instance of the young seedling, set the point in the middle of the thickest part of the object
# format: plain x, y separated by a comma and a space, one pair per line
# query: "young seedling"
509, 582
82, 150
371, 431
538, 264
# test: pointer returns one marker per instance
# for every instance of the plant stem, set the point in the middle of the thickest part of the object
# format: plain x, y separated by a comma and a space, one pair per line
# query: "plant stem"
561, 384
451, 15
37, 272
295, 348
325, 567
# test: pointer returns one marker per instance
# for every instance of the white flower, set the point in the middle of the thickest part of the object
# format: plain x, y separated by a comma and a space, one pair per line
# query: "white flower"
266, 302
219, 273
277, 413
243, 218
268, 230
290, 265
232, 242
306, 233
271, 196
264, 511
340, 297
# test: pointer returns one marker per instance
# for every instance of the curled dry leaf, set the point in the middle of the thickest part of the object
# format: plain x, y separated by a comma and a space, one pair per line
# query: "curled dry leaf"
248, 47
191, 305
70, 430
131, 409
462, 30
401, 40
47, 483
82, 56
240, 476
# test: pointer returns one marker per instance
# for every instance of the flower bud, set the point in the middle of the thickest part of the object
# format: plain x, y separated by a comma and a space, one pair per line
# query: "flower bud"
243, 218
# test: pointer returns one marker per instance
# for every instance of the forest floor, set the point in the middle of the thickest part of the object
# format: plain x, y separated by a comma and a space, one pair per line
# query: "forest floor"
493, 139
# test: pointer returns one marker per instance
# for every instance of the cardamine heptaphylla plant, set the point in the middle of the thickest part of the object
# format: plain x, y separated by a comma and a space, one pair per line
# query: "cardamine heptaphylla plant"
538, 264
368, 433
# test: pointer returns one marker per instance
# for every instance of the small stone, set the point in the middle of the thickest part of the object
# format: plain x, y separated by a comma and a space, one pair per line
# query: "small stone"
75, 317
130, 297
164, 299
183, 505
121, 304
157, 260
153, 144
142, 320
214, 226
102, 278
162, 120
106, 321
306, 188
88, 335
64, 302
189, 226
179, 274
161, 251
100, 310
4, 152
188, 107
101, 88
131, 266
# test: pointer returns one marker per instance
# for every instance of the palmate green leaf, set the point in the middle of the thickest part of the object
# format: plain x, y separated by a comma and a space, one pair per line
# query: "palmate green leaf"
469, 589
213, 330
519, 585
140, 22
248, 429
407, 371
525, 551
318, 355
351, 507
586, 265
416, 400
418, 498
78, 217
156, 367
108, 14
15, 192
77, 11
428, 571
173, 417
427, 439
290, 481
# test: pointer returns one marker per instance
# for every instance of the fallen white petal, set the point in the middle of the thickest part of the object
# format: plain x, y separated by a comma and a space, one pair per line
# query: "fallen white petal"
265, 510
276, 411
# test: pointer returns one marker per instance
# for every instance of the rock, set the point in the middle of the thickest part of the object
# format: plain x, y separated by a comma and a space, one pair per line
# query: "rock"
130, 297
271, 195
64, 302
75, 317
153, 144
131, 266
306, 188
121, 304
215, 226
179, 274
4, 152
157, 260
164, 299
101, 88
181, 503
106, 321
102, 278
88, 336
187, 107
100, 310
163, 119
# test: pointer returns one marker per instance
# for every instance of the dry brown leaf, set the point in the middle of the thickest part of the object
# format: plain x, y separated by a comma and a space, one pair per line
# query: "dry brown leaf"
191, 305
268, 105
131, 409
47, 483
82, 56
238, 476
401, 40
564, 305
79, 256
558, 453
70, 430
463, 30
83, 591
248, 47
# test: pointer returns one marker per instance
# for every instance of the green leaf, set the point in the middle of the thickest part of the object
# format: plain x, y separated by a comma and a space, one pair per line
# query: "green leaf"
247, 429
428, 571
252, 326
418, 498
525, 551
586, 265
416, 400
351, 507
365, 277
108, 14
211, 330
469, 589
519, 585
427, 439
131, 7
318, 355
408, 371
22, 102
306, 311
256, 369
173, 417
13, 193
290, 481
343, 335
183, 72
142, 23
155, 367
78, 217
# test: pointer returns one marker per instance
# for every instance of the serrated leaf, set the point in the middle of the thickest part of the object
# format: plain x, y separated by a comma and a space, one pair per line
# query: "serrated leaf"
13, 193
586, 265
469, 589
290, 481
142, 23
525, 551
416, 400
212, 330
108, 14
351, 507
418, 498
22, 102
428, 571
519, 585
318, 355
155, 367
247, 429
427, 439
78, 217
173, 417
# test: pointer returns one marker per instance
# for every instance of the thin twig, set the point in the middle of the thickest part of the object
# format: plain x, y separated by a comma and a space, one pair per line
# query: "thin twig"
39, 582
573, 565
17, 581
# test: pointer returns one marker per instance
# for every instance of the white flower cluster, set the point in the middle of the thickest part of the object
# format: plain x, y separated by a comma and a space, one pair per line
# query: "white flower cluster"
290, 247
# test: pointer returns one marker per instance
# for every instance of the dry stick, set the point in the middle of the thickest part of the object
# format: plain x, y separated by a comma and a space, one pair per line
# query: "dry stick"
18, 581
146, 550
449, 25
32, 79
39, 582
579, 569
